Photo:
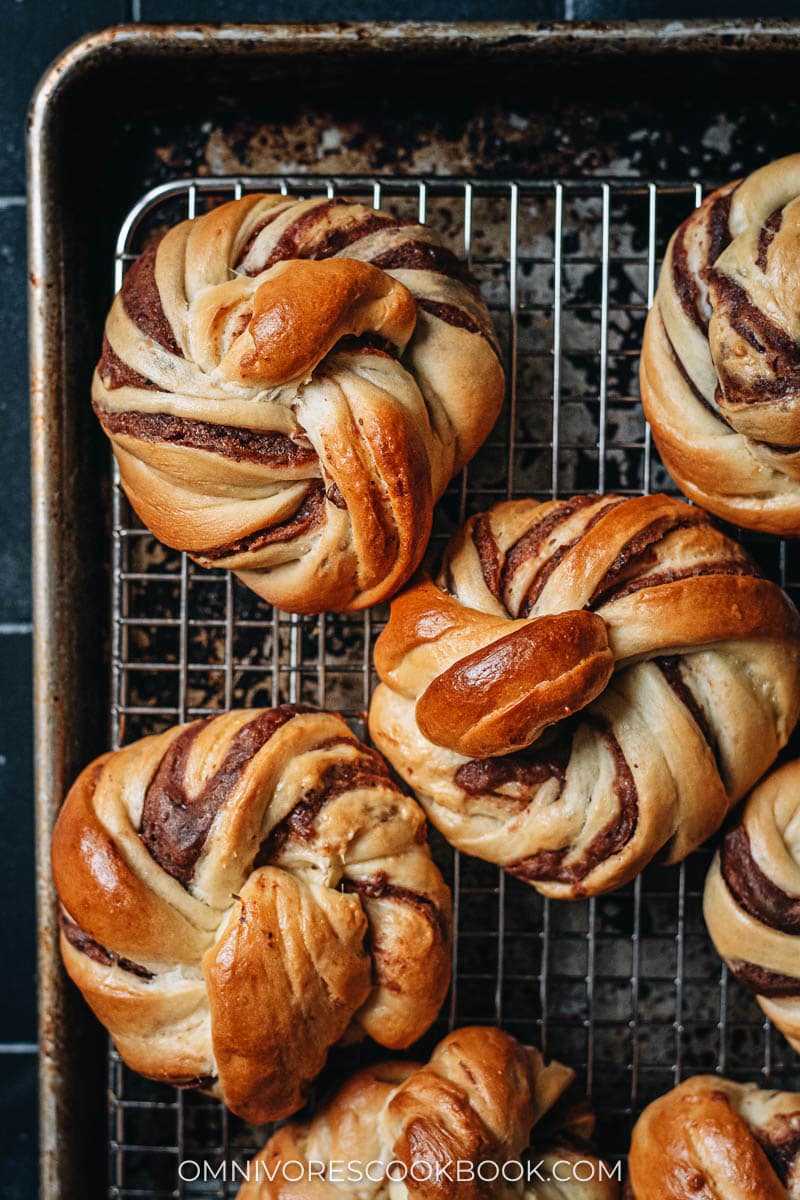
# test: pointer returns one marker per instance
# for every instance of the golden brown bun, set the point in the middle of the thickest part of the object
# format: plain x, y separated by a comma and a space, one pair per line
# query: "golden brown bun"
711, 1139
289, 386
720, 366
589, 684
752, 898
240, 893
476, 1101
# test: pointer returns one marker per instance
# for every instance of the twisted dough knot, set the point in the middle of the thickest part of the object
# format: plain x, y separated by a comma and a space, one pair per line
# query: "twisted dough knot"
752, 898
720, 367
243, 892
475, 1102
712, 1139
289, 386
499, 706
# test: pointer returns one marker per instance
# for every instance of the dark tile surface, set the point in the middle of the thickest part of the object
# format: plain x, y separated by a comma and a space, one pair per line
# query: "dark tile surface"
15, 575
17, 940
642, 10
18, 1150
34, 32
352, 10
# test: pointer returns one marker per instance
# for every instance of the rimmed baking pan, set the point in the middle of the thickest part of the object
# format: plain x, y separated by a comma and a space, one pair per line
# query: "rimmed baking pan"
558, 159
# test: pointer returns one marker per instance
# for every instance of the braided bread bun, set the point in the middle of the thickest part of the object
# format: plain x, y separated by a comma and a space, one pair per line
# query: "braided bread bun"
241, 893
720, 366
289, 386
475, 1102
637, 614
752, 898
711, 1139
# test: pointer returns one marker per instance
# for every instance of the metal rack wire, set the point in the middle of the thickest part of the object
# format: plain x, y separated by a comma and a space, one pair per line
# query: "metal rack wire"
625, 988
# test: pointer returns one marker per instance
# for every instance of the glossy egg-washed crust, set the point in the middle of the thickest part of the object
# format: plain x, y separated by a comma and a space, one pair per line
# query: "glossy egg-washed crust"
476, 1101
752, 898
720, 366
240, 893
712, 1139
289, 386
590, 684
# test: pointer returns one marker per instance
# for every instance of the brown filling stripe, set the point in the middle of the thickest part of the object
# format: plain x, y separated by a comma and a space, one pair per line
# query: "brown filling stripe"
266, 220
719, 226
379, 888
550, 865
540, 578
306, 517
231, 441
298, 240
451, 314
365, 343
368, 771
85, 944
698, 395
658, 578
288, 243
777, 448
637, 547
781, 354
485, 776
485, 544
780, 1141
334, 495
752, 889
174, 825
116, 374
413, 255
336, 240
763, 982
686, 284
684, 281
670, 668
531, 770
529, 544
192, 1082
766, 236
537, 584
141, 300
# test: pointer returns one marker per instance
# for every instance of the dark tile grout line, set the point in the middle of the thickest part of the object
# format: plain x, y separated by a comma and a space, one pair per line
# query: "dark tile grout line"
22, 1050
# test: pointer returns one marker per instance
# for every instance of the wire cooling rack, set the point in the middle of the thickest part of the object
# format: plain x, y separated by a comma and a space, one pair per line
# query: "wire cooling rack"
625, 988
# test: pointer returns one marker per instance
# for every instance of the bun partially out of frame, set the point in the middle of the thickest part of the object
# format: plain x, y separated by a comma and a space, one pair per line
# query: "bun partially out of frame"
478, 1102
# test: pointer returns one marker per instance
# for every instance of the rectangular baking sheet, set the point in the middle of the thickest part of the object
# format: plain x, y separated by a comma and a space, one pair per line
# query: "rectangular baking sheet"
625, 988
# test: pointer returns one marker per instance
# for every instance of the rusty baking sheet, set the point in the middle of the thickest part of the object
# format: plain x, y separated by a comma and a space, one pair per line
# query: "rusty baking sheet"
121, 112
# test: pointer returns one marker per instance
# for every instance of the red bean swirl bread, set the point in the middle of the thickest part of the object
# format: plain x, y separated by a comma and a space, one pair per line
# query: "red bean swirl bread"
289, 386
711, 1139
475, 1103
720, 367
590, 684
752, 898
241, 893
